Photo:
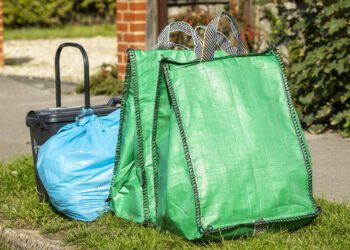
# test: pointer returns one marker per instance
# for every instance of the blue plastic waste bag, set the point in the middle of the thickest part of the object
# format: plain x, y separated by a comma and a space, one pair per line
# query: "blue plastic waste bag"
76, 165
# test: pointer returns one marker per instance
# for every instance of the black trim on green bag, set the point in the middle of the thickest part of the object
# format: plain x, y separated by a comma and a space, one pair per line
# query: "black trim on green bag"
125, 95
131, 54
155, 159
209, 229
131, 79
185, 145
296, 126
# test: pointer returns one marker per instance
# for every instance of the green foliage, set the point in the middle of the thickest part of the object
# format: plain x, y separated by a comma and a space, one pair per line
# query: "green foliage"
318, 35
53, 13
104, 82
20, 207
196, 16
32, 33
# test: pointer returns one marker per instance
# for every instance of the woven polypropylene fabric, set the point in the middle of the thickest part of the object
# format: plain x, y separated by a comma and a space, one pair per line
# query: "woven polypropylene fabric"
220, 39
164, 37
132, 190
229, 154
210, 36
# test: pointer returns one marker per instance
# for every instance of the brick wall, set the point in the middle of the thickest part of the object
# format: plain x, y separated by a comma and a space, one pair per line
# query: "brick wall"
2, 59
131, 29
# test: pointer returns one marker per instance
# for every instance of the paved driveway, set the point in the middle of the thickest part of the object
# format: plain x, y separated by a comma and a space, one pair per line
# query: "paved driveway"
17, 97
331, 164
331, 153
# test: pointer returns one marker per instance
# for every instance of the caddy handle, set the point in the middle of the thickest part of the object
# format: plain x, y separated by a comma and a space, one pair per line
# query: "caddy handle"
58, 74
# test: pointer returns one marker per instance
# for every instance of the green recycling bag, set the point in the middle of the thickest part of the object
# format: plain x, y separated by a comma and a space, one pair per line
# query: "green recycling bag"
132, 189
229, 153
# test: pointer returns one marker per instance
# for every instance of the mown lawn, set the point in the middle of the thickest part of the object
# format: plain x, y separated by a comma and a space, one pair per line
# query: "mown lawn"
108, 30
18, 204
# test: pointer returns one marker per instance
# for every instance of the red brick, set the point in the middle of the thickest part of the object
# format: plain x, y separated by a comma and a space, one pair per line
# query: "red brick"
138, 6
120, 36
125, 58
121, 77
140, 46
122, 47
119, 16
131, 27
121, 67
120, 58
122, 27
134, 38
130, 16
122, 6
137, 26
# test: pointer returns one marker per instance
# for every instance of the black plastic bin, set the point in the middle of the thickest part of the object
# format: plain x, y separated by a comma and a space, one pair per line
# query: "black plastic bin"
46, 122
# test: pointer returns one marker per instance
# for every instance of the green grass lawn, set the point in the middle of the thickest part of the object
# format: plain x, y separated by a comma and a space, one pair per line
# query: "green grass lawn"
108, 30
19, 205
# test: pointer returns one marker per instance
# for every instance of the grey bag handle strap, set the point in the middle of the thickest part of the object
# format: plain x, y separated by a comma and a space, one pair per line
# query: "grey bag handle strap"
210, 37
164, 37
179, 46
222, 40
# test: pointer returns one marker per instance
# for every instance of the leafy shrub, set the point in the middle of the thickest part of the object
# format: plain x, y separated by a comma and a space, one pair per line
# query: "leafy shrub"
200, 16
104, 81
318, 35
51, 13
193, 16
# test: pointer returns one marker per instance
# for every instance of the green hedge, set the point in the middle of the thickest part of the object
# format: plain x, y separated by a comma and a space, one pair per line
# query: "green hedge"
51, 13
317, 34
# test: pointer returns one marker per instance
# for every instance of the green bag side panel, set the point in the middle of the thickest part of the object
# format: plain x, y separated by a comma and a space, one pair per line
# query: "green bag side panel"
132, 190
126, 191
245, 152
147, 68
231, 233
165, 133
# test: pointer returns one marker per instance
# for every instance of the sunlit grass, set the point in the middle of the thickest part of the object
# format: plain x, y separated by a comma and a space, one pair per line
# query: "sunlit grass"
19, 205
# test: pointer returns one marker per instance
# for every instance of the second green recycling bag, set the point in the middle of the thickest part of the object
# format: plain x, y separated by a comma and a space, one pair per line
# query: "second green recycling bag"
132, 190
229, 153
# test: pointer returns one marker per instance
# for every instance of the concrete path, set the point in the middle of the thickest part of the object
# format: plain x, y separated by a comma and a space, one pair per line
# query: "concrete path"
331, 164
17, 97
330, 152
